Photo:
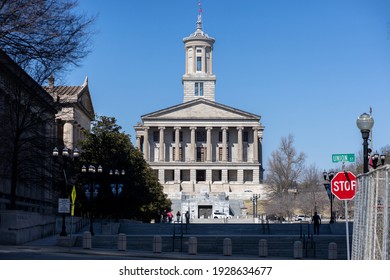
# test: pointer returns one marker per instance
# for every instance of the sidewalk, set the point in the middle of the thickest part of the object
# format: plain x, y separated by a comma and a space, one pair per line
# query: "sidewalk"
48, 245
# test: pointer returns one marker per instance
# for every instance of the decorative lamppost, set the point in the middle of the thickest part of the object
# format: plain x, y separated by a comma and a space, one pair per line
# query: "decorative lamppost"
254, 199
66, 156
117, 188
328, 176
365, 122
375, 159
91, 190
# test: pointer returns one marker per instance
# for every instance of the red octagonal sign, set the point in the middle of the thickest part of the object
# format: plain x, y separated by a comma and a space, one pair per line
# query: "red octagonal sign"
343, 185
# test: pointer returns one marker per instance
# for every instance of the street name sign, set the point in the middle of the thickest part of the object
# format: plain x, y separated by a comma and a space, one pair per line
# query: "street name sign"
343, 157
343, 185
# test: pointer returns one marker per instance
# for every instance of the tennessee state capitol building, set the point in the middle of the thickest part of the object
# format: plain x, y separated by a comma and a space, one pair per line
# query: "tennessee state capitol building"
208, 156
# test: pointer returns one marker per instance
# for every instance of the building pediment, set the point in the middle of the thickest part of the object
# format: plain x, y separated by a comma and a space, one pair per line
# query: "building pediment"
200, 109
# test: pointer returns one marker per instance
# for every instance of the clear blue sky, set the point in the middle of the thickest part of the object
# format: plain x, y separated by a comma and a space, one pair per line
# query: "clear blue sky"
308, 67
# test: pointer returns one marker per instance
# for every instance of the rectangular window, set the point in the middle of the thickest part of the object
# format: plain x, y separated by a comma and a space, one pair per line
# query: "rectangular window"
217, 175
245, 136
201, 154
198, 63
198, 89
156, 136
220, 153
169, 175
232, 175
200, 175
200, 136
180, 153
185, 175
248, 175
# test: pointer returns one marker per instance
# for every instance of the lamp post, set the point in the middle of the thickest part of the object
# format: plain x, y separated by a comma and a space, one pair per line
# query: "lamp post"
91, 190
255, 197
66, 155
117, 189
365, 122
328, 176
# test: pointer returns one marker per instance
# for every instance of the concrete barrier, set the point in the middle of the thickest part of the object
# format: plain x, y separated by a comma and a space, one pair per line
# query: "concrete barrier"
298, 251
157, 244
192, 246
227, 247
87, 240
263, 248
122, 238
332, 251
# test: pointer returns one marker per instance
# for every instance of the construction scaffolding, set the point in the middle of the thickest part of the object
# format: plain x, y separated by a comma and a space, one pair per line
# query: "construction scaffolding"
371, 232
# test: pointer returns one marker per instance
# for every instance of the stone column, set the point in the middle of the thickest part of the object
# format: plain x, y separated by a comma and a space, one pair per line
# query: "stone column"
161, 157
211, 61
146, 144
240, 145
204, 60
209, 150
194, 59
68, 134
193, 144
177, 142
224, 144
138, 137
255, 145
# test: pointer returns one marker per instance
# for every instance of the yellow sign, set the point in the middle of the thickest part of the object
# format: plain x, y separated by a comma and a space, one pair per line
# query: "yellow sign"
73, 196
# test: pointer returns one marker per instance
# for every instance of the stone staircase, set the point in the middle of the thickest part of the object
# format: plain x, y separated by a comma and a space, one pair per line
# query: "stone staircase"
244, 237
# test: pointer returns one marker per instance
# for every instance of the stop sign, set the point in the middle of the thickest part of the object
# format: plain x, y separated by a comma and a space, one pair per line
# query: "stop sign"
343, 185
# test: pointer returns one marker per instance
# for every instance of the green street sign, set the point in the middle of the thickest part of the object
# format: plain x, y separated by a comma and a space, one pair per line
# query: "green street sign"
343, 158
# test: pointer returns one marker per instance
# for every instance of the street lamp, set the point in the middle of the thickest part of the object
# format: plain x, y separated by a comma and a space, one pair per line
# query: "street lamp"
365, 122
117, 188
328, 176
375, 159
66, 155
91, 190
254, 199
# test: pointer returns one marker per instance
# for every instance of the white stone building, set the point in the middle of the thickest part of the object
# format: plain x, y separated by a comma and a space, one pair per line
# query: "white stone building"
75, 112
208, 156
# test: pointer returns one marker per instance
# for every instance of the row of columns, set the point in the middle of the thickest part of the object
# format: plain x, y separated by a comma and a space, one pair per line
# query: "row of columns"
193, 143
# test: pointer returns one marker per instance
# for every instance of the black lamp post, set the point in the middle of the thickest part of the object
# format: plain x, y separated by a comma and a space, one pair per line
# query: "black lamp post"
117, 189
91, 189
365, 122
328, 176
255, 197
66, 155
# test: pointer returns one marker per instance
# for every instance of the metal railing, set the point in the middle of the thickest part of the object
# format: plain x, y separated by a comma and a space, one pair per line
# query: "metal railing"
371, 232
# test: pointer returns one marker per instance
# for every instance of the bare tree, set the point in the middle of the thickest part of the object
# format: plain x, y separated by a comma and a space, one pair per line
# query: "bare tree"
285, 168
311, 195
26, 116
44, 37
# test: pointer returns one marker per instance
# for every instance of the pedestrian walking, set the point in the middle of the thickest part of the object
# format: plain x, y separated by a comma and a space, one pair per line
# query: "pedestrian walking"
316, 220
178, 216
187, 217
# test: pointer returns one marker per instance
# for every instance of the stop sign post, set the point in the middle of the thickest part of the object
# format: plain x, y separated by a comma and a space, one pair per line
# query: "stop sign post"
343, 185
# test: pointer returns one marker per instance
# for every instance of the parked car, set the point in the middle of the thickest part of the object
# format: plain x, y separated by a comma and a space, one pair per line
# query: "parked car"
301, 218
219, 215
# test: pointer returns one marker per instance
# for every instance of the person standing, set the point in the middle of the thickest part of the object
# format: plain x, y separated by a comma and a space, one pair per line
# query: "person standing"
178, 216
316, 220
